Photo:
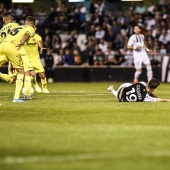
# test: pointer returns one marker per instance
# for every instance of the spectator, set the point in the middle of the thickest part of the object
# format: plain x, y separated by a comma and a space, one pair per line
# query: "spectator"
98, 57
99, 33
68, 58
140, 8
49, 64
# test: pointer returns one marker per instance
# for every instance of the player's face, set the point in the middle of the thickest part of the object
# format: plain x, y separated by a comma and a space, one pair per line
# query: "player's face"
137, 30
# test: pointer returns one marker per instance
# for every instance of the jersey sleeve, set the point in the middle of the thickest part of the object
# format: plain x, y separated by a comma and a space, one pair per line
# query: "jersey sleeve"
149, 98
30, 31
39, 38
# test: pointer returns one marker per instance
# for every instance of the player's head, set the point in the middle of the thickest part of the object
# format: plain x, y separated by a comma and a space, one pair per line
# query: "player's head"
137, 29
30, 21
152, 84
7, 17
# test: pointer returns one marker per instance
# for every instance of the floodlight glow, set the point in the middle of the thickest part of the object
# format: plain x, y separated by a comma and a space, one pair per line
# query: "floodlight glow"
132, 0
76, 0
22, 1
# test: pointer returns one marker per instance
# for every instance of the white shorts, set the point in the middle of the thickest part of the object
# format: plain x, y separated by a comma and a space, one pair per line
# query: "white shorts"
139, 58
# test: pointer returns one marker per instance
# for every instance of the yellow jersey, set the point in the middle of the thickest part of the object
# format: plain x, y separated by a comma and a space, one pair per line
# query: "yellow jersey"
31, 46
17, 33
6, 29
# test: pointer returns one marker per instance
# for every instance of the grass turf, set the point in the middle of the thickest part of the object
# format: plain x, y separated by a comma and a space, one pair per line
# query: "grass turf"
80, 126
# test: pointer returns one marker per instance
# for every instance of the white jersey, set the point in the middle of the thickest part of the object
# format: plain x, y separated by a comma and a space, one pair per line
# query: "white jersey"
137, 40
140, 55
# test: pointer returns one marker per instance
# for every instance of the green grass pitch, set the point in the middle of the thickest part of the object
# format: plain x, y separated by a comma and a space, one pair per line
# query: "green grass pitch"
81, 126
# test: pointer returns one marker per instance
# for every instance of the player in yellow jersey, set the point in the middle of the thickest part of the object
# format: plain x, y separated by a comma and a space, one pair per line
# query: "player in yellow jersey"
8, 26
31, 47
13, 48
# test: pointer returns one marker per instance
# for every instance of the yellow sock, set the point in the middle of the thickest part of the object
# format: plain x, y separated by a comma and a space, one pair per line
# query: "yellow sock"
27, 85
34, 80
6, 78
44, 83
19, 84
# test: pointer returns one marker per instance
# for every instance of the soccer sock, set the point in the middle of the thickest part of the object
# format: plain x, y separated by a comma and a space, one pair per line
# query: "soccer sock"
44, 83
149, 72
27, 85
6, 78
34, 80
19, 84
114, 92
137, 74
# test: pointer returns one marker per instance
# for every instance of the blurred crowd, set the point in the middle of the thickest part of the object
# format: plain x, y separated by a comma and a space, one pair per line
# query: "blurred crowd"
78, 35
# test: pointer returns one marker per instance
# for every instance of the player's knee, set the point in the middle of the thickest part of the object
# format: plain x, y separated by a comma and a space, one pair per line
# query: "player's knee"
148, 67
139, 71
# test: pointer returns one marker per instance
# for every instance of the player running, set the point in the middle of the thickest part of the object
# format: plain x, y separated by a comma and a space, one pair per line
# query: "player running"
137, 43
13, 48
139, 92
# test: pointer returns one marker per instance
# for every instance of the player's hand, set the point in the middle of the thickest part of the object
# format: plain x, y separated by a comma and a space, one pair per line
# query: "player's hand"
19, 45
12, 70
43, 49
150, 52
138, 47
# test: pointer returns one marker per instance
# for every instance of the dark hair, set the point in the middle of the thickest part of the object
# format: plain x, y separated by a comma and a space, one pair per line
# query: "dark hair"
138, 26
6, 14
30, 19
153, 83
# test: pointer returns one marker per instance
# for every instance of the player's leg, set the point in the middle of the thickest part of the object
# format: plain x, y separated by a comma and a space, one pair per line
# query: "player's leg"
29, 71
18, 85
111, 90
147, 62
41, 72
5, 77
35, 84
149, 72
43, 82
138, 67
10, 77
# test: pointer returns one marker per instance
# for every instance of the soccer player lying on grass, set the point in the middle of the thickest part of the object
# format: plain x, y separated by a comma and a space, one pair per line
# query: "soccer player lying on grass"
140, 92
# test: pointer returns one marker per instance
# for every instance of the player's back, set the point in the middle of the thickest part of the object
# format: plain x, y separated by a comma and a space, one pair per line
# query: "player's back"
31, 45
134, 93
17, 33
6, 29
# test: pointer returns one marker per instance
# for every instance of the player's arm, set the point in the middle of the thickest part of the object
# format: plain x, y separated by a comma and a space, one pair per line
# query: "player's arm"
147, 49
152, 95
40, 44
25, 37
162, 100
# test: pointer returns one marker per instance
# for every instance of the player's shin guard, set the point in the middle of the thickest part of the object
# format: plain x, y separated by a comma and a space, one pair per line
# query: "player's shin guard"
44, 83
149, 72
6, 78
27, 85
19, 84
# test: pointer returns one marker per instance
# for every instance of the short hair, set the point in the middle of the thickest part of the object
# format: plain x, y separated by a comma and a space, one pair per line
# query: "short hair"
30, 19
153, 83
6, 14
138, 26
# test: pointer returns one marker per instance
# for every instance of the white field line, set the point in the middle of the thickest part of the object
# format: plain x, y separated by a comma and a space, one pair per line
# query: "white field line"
81, 157
90, 94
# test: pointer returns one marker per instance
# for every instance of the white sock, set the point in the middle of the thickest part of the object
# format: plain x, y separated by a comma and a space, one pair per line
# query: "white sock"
149, 72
